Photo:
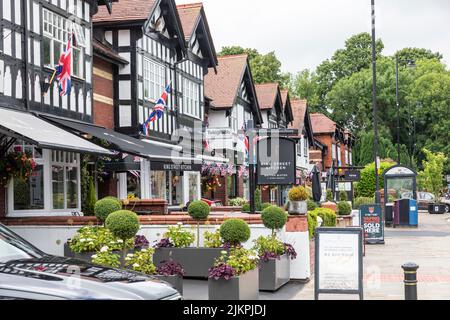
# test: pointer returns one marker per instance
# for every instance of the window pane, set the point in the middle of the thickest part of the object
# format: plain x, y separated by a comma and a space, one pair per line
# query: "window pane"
58, 187
47, 57
72, 187
29, 194
158, 184
76, 62
133, 184
56, 52
193, 187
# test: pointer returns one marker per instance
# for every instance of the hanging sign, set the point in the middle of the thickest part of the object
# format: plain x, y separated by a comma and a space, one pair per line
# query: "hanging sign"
276, 163
338, 261
371, 219
352, 175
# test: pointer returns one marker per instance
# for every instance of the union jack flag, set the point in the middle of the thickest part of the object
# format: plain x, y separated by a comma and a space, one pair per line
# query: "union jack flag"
63, 69
158, 110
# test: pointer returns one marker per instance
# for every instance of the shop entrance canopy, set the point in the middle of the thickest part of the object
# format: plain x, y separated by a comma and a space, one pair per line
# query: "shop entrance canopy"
123, 143
28, 127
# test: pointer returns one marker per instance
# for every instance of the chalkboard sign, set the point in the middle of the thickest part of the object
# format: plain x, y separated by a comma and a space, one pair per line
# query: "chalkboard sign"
338, 261
371, 219
277, 162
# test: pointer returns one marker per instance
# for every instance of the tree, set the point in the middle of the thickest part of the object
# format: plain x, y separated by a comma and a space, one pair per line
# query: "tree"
432, 177
416, 54
304, 86
266, 68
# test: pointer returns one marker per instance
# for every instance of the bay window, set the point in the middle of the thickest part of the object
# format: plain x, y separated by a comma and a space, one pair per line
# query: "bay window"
154, 76
56, 33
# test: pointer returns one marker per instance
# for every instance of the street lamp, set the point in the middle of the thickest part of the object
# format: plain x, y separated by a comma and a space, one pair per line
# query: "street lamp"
410, 64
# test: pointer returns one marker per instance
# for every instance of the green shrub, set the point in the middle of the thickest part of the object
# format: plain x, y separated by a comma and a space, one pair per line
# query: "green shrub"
246, 207
237, 202
344, 208
123, 224
258, 199
343, 196
91, 199
104, 207
311, 205
328, 216
265, 205
366, 186
309, 192
235, 231
362, 201
298, 194
199, 210
180, 237
274, 218
330, 196
312, 223
213, 239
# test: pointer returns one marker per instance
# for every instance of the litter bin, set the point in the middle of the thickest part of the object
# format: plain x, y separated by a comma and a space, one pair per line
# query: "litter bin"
406, 213
435, 208
389, 214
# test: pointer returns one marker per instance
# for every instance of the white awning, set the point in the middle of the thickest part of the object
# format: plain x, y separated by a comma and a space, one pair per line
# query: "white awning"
27, 127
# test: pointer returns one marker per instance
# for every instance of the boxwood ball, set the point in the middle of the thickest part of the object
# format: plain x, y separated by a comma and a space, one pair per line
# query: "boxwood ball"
123, 224
235, 231
199, 210
274, 218
104, 207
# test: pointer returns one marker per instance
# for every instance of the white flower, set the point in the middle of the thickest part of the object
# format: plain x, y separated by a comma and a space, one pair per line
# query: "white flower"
89, 239
144, 250
127, 258
180, 223
91, 243
223, 252
120, 241
104, 249
82, 240
130, 255
136, 265
94, 256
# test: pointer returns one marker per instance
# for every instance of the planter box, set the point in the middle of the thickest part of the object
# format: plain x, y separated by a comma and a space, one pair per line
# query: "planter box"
344, 221
298, 207
244, 287
175, 281
274, 274
195, 261
437, 208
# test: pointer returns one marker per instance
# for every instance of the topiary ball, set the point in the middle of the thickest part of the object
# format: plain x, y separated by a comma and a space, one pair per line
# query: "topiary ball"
104, 207
123, 224
235, 231
274, 218
199, 210
344, 208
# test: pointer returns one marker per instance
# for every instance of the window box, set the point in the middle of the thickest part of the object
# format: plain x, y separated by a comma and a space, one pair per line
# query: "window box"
274, 274
244, 287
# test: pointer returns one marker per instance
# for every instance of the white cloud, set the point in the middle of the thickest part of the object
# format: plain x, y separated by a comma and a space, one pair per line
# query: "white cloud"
303, 33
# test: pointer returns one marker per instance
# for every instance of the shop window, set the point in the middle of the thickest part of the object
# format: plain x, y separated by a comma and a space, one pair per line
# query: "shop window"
193, 186
65, 180
177, 188
133, 184
158, 184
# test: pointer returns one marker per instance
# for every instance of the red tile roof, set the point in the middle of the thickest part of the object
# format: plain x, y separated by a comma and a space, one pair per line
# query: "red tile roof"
299, 110
189, 15
125, 10
223, 87
284, 96
266, 94
322, 124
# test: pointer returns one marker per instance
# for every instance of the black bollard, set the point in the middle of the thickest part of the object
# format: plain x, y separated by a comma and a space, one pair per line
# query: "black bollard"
410, 281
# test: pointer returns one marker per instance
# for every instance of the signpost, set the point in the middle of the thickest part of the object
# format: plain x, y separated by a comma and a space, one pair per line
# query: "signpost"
371, 219
338, 261
353, 175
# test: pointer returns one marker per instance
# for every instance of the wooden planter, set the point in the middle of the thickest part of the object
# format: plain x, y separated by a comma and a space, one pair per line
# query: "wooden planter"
244, 287
195, 261
175, 281
274, 274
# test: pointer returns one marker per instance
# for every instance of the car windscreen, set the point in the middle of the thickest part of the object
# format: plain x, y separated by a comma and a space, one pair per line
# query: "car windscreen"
13, 247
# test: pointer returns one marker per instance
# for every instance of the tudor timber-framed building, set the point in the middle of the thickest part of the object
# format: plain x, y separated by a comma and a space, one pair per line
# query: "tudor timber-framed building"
34, 33
163, 44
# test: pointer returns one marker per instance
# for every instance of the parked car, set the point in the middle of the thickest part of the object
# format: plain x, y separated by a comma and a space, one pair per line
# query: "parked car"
423, 199
446, 200
27, 273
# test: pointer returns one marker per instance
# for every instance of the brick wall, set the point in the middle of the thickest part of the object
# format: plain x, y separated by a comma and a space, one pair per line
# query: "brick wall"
103, 111
327, 139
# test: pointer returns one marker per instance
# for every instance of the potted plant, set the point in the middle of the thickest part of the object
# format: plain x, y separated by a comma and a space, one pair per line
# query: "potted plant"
234, 275
171, 272
344, 210
199, 211
297, 201
274, 255
177, 245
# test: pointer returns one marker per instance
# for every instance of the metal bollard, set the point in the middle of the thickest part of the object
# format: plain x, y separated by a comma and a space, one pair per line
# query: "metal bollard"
410, 280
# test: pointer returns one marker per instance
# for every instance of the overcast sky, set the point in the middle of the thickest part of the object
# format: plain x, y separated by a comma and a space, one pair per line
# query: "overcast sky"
303, 33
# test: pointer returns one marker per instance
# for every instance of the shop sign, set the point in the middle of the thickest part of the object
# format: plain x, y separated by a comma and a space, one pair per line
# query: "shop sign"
352, 175
371, 218
166, 166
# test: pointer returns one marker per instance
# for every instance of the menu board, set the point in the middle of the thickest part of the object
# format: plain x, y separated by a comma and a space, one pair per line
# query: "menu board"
338, 261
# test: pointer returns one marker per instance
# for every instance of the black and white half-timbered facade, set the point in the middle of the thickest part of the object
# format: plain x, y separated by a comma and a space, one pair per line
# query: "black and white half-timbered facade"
164, 45
33, 35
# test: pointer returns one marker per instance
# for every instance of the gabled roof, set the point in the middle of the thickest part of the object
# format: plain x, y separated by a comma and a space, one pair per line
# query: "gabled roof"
267, 95
223, 87
287, 105
125, 10
322, 124
105, 51
302, 119
193, 17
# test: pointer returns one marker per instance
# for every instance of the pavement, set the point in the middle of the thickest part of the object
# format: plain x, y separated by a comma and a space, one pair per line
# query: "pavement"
428, 246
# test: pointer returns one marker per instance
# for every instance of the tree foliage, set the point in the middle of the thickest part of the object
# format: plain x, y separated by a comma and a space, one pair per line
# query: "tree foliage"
431, 178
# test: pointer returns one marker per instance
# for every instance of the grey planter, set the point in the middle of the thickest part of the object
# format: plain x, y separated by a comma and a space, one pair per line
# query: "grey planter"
244, 287
175, 281
274, 274
298, 207
195, 261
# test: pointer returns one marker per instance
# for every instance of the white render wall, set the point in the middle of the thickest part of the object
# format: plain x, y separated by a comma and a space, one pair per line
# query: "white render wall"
51, 239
